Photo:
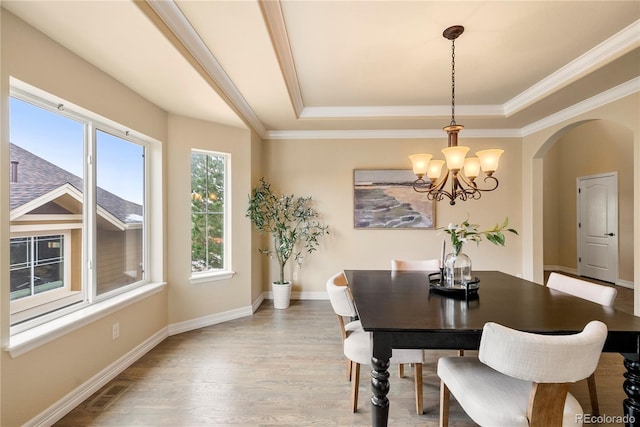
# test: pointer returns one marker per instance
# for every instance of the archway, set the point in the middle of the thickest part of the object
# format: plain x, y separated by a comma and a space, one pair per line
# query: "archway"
584, 148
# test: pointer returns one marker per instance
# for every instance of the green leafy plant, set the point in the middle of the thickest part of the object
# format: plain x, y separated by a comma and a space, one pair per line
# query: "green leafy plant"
292, 222
466, 232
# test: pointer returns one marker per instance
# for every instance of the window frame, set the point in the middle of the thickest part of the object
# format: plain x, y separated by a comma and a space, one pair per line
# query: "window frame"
226, 272
42, 325
38, 304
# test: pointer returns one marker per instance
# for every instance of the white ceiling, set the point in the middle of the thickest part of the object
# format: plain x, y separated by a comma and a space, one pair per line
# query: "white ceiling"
364, 68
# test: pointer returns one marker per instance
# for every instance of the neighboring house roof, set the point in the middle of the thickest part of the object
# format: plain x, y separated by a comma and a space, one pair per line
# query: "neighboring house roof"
36, 178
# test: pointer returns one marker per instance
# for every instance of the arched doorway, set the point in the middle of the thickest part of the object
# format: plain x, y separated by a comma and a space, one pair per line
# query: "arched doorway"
580, 149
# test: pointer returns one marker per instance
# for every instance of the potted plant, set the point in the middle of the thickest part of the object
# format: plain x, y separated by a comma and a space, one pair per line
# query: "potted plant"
293, 225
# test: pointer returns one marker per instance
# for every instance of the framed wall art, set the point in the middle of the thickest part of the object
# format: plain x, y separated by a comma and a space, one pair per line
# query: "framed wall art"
384, 198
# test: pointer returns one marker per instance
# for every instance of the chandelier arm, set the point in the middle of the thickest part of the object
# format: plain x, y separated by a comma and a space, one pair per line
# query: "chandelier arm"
440, 183
492, 178
420, 182
441, 194
467, 181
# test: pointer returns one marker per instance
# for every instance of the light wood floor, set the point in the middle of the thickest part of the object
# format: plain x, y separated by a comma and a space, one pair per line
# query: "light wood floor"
279, 368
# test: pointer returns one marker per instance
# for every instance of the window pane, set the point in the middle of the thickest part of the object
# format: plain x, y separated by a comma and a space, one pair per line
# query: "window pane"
48, 263
20, 268
47, 152
207, 211
120, 208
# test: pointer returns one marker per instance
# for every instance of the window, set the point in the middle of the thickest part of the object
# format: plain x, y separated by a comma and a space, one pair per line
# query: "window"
209, 220
36, 265
77, 209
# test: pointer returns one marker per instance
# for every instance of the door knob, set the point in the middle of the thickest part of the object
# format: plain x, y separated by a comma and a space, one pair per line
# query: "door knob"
610, 234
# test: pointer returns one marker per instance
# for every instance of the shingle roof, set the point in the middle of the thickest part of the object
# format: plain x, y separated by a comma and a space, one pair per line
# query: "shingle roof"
37, 176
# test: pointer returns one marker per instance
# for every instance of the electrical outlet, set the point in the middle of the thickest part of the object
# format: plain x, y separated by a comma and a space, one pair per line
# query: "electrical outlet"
115, 331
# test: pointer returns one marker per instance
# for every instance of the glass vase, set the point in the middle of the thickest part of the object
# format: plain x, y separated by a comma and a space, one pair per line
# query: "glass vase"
457, 270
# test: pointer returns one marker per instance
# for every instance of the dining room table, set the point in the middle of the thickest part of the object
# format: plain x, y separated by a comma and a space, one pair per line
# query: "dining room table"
414, 309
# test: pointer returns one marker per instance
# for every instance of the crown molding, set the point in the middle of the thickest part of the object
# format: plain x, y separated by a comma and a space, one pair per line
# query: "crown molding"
175, 20
389, 134
277, 29
604, 98
404, 111
608, 50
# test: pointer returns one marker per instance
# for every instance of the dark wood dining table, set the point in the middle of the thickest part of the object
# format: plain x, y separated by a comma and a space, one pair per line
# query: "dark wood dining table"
401, 310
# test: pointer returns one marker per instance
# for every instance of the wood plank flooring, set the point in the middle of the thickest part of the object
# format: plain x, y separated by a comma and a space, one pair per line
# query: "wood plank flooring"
279, 368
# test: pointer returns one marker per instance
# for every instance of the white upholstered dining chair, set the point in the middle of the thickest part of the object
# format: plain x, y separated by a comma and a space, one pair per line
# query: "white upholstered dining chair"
521, 378
599, 294
357, 342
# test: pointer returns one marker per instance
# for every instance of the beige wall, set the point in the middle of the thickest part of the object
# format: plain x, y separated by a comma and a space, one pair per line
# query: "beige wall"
591, 148
323, 169
36, 380
191, 301
624, 112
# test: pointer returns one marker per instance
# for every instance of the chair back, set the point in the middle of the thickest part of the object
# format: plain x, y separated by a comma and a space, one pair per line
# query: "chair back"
542, 358
340, 295
415, 265
600, 294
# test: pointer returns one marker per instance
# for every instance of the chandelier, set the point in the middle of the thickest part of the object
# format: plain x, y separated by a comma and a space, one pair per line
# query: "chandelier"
462, 171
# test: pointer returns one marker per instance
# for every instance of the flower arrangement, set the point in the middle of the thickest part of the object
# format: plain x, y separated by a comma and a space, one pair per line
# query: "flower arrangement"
466, 232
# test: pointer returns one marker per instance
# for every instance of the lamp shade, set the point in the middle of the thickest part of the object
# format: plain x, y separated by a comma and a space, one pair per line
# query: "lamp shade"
489, 159
455, 156
471, 167
420, 163
435, 168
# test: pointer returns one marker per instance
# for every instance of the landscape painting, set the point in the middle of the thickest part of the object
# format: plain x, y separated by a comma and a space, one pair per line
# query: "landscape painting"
386, 199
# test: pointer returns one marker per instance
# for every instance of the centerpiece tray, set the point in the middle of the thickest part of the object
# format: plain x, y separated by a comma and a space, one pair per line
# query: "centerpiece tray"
436, 283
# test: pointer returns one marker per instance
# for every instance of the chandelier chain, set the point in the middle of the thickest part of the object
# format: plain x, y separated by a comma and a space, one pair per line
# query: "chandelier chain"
453, 83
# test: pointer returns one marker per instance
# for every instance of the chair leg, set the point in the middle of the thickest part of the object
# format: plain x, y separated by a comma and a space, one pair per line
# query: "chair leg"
418, 382
355, 382
593, 394
400, 370
445, 396
349, 367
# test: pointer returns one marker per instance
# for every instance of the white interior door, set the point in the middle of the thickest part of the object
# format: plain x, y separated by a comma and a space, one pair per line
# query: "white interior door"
598, 227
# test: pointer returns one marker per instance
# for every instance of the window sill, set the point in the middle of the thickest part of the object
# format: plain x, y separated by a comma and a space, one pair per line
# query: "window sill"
211, 277
33, 338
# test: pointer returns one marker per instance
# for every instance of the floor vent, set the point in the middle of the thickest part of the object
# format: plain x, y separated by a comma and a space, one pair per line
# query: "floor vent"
106, 397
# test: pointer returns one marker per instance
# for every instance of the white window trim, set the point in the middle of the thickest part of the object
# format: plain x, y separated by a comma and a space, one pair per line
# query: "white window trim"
211, 276
226, 272
23, 342
72, 319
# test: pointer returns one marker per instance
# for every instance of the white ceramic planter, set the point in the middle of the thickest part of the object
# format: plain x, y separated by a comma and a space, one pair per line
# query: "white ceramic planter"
281, 295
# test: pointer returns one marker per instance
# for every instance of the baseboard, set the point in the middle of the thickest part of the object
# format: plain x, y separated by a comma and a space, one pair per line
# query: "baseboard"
81, 393
201, 322
625, 284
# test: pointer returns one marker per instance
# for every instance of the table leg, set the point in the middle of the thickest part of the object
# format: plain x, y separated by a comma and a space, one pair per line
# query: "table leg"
380, 387
380, 379
631, 387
